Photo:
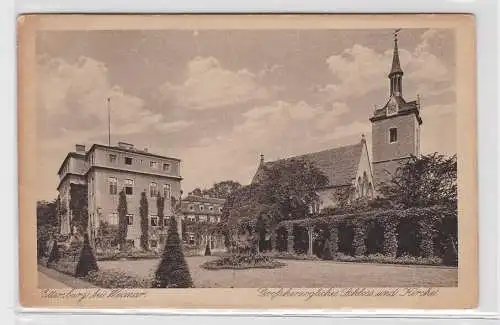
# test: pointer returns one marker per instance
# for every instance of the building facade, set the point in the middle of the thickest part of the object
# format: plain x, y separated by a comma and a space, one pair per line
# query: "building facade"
201, 214
107, 170
395, 127
395, 137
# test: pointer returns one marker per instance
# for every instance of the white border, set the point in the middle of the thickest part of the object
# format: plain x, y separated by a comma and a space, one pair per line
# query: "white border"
486, 12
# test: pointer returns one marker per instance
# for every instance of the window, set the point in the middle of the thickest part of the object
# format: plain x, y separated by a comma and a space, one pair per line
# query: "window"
393, 135
129, 186
212, 219
166, 191
218, 219
153, 189
202, 218
191, 207
130, 219
220, 209
113, 186
154, 221
113, 218
153, 164
210, 208
192, 218
201, 207
128, 160
112, 158
165, 221
153, 243
166, 167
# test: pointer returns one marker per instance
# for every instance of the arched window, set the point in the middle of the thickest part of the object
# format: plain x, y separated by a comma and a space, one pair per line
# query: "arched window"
360, 187
365, 184
370, 190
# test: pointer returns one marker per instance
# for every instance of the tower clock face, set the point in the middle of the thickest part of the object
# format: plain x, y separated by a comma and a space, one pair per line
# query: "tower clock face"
392, 107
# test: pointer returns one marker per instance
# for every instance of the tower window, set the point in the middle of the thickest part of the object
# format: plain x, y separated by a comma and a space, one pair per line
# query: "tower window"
128, 161
393, 135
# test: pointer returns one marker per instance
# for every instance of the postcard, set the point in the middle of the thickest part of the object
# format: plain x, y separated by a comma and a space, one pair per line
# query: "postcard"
247, 161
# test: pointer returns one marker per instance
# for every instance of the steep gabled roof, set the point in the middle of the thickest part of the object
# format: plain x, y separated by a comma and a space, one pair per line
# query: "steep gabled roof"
338, 164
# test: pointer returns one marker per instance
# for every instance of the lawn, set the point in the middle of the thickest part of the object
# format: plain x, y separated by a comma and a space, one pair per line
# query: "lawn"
304, 274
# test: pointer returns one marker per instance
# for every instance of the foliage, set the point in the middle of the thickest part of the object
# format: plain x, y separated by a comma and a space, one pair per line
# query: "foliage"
221, 190
115, 279
47, 224
107, 236
122, 220
87, 261
242, 261
207, 250
160, 207
78, 205
384, 259
327, 250
173, 271
424, 181
294, 256
112, 255
54, 255
143, 212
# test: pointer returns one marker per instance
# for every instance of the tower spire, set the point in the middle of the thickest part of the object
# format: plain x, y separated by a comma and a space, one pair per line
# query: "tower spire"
396, 74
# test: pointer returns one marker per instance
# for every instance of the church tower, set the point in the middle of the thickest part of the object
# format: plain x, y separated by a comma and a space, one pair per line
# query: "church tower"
395, 126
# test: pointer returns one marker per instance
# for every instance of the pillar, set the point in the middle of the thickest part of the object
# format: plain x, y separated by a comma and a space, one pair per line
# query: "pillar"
310, 230
426, 229
359, 239
290, 241
334, 239
390, 239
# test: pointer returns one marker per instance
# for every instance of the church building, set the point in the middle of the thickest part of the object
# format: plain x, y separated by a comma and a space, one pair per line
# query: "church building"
351, 169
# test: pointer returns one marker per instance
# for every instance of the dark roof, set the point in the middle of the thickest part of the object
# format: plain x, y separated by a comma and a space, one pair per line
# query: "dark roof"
136, 151
70, 155
201, 199
338, 164
396, 66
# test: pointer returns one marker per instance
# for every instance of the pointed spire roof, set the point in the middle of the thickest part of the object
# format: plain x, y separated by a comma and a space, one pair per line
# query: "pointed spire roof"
396, 66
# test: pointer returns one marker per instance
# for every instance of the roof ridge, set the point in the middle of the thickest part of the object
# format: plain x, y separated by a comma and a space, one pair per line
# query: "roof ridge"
317, 152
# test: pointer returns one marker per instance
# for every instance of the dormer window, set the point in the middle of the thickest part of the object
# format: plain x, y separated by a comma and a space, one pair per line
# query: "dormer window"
153, 164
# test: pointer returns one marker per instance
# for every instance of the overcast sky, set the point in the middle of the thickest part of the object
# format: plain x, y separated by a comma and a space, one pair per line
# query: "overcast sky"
218, 99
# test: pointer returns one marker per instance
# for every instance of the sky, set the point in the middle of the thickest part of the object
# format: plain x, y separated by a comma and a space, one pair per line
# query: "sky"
217, 99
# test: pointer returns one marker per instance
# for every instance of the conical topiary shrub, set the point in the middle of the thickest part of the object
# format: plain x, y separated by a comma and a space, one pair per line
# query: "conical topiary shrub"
54, 254
327, 251
87, 261
207, 250
173, 271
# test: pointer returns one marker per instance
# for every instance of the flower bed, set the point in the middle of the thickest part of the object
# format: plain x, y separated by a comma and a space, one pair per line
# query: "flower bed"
383, 259
109, 279
129, 255
292, 256
240, 262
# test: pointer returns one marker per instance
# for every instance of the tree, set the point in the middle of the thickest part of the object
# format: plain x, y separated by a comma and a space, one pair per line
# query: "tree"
160, 207
143, 211
220, 190
424, 181
173, 271
327, 250
197, 191
122, 220
47, 223
87, 261
78, 205
207, 249
55, 255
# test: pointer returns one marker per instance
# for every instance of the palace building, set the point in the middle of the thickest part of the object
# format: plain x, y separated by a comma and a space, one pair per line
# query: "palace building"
395, 138
104, 171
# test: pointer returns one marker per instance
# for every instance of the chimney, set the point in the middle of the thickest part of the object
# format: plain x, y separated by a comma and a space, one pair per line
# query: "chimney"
145, 150
80, 148
261, 159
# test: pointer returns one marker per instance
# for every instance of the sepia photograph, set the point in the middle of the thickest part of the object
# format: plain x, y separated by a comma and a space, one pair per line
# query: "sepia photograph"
271, 154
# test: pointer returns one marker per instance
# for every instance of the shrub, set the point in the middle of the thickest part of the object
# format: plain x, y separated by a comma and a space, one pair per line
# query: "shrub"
117, 279
207, 250
143, 212
66, 267
87, 261
327, 250
242, 261
173, 271
293, 256
54, 254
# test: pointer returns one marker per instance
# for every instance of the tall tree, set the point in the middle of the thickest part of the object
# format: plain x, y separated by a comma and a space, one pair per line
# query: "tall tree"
87, 261
197, 191
173, 271
122, 220
160, 207
78, 205
424, 181
143, 211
